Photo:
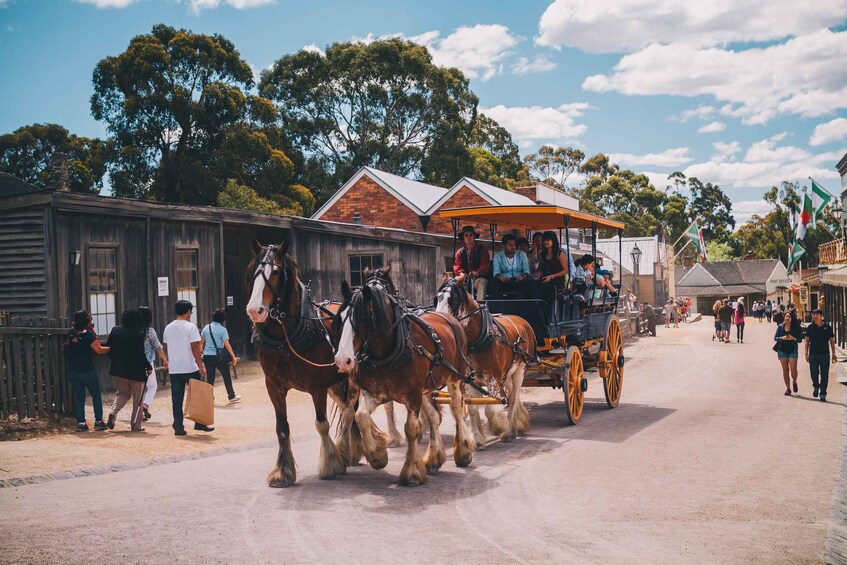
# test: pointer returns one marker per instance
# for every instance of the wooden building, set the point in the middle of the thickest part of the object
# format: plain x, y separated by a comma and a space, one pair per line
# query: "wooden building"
61, 252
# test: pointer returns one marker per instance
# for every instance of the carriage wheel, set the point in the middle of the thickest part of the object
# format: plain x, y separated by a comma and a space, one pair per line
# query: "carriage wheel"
574, 395
613, 380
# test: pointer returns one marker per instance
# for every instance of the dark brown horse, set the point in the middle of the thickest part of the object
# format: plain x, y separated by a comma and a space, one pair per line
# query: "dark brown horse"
291, 334
392, 354
499, 348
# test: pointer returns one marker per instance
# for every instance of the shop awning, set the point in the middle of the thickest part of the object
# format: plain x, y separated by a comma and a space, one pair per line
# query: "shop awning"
835, 277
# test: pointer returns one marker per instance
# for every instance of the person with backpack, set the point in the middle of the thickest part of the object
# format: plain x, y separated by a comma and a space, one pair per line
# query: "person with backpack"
80, 349
768, 310
218, 353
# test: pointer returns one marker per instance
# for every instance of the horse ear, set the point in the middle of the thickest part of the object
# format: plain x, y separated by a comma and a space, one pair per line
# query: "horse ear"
387, 269
282, 248
345, 291
366, 272
257, 247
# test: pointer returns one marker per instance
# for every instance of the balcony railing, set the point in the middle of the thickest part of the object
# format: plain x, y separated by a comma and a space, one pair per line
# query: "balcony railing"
833, 252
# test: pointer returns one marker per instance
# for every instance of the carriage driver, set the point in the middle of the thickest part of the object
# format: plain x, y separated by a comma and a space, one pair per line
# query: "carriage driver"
472, 259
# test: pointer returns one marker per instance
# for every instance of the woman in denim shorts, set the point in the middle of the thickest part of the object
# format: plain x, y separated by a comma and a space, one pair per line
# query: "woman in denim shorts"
788, 335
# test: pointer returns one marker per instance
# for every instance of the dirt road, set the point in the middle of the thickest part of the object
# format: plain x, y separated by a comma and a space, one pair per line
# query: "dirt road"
705, 460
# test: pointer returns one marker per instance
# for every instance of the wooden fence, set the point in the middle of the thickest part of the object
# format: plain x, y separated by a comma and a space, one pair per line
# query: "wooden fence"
32, 367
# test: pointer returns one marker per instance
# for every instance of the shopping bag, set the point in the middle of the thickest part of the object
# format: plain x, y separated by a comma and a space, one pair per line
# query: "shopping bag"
200, 402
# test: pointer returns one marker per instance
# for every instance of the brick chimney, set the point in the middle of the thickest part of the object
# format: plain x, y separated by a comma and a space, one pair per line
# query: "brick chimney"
528, 191
59, 175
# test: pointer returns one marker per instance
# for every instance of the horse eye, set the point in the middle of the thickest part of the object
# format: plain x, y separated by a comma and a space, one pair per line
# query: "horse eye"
274, 272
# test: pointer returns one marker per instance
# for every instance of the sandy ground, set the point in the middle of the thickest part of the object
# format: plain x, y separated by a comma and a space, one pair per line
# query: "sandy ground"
704, 461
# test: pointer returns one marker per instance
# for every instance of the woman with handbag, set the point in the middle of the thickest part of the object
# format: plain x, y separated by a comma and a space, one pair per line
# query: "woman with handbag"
788, 335
218, 353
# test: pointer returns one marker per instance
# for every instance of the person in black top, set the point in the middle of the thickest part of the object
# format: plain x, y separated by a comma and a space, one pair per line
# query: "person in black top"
819, 339
788, 335
779, 316
130, 367
79, 354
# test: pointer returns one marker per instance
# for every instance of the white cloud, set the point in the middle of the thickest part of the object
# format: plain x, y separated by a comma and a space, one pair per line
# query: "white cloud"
539, 65
832, 131
701, 112
197, 6
658, 180
668, 158
616, 26
744, 210
805, 75
312, 48
712, 127
537, 123
478, 50
104, 4
764, 164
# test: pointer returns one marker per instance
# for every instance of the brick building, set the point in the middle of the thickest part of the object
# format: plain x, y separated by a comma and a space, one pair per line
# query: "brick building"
376, 198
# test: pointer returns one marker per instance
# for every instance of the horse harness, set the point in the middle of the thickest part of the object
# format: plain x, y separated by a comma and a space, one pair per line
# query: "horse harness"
491, 330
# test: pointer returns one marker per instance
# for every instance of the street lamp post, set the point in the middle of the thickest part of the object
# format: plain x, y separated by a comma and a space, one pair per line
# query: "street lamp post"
636, 260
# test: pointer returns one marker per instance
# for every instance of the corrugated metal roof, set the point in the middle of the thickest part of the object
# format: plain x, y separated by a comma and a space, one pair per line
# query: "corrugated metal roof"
749, 271
11, 185
420, 194
650, 252
724, 290
499, 195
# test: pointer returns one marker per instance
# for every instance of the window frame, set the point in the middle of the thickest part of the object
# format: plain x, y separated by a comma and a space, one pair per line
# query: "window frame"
362, 253
86, 271
196, 249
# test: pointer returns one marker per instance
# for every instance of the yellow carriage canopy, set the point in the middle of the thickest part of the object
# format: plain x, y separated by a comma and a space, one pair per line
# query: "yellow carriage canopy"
529, 217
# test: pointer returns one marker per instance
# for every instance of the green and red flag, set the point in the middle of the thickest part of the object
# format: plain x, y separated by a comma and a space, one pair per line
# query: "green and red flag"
795, 251
804, 218
820, 200
695, 234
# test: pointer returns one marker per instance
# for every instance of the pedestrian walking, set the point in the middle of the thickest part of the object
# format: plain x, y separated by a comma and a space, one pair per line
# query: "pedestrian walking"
787, 336
716, 308
182, 340
215, 337
819, 340
779, 315
152, 348
725, 315
80, 350
668, 313
740, 317
129, 367
650, 316
768, 310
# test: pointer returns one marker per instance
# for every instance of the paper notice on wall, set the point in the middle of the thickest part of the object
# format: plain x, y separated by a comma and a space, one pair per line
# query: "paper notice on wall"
230, 301
163, 286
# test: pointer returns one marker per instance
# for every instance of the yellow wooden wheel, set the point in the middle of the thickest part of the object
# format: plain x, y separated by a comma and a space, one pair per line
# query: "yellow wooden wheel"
613, 377
574, 395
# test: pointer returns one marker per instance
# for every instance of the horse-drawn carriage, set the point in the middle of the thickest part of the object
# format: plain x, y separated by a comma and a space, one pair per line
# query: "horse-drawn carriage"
579, 330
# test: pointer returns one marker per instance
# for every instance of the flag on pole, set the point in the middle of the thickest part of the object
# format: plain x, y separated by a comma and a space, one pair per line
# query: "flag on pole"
820, 200
795, 251
695, 234
804, 219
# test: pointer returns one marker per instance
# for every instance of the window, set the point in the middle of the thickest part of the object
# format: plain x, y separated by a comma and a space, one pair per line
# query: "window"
102, 263
186, 278
358, 263
357, 219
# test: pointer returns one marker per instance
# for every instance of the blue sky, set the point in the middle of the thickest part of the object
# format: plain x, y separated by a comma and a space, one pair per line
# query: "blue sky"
743, 96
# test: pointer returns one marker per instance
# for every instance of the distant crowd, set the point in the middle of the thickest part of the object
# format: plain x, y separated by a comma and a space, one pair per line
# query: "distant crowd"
133, 347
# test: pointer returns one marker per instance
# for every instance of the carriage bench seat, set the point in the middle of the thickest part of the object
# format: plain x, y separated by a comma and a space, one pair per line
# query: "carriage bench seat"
533, 311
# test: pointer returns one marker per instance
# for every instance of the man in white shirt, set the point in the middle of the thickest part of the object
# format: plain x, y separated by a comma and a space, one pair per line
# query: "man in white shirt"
182, 340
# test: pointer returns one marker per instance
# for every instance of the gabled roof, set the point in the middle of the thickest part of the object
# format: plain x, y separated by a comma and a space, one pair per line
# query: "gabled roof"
419, 196
10, 185
493, 195
750, 272
651, 252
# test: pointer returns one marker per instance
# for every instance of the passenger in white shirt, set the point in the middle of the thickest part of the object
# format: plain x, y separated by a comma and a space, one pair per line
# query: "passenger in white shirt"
182, 340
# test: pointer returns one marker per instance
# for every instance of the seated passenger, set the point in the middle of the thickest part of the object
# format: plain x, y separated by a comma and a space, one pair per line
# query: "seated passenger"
553, 265
472, 259
511, 270
533, 255
603, 281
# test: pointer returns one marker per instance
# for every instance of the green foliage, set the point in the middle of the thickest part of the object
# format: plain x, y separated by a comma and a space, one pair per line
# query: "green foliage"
769, 236
718, 251
554, 165
490, 136
383, 104
242, 197
27, 153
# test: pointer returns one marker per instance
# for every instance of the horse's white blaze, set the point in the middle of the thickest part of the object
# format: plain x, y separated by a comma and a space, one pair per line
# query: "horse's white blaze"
443, 305
256, 307
346, 356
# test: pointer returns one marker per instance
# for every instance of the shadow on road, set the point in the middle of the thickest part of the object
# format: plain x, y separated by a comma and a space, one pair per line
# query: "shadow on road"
599, 423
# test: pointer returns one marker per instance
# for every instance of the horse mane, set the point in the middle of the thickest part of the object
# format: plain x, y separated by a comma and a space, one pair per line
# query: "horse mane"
375, 317
458, 295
